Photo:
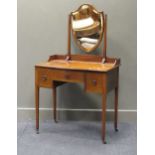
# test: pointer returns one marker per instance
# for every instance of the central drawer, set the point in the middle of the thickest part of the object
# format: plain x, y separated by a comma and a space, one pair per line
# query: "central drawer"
67, 75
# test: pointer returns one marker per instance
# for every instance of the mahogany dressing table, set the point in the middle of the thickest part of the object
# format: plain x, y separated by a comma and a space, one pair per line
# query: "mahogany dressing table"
98, 73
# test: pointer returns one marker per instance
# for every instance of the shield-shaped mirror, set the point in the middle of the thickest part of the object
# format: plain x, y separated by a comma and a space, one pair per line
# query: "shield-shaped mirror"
87, 27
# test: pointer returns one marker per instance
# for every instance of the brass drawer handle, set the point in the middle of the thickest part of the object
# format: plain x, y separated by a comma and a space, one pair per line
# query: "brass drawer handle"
94, 82
44, 77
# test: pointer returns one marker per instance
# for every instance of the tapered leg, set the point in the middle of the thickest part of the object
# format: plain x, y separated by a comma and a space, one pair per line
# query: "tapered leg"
116, 110
104, 118
37, 108
54, 103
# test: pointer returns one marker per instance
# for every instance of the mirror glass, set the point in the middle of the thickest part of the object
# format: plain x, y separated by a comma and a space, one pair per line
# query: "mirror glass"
87, 27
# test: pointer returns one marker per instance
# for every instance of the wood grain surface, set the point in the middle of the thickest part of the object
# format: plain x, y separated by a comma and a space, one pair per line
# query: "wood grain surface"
77, 65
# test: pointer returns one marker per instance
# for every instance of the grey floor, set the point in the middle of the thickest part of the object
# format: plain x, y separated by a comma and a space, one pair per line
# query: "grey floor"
75, 138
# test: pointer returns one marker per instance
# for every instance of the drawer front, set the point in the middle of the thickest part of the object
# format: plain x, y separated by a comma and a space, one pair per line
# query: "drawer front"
94, 82
44, 77
67, 76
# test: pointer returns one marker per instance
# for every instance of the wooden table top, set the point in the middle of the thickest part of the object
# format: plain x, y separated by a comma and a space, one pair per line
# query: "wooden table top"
77, 65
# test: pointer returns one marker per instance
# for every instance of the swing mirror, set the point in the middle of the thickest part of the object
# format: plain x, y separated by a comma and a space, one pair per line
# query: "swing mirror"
87, 27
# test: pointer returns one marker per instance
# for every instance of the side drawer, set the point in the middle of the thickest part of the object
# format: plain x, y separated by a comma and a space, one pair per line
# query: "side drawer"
94, 82
43, 77
67, 76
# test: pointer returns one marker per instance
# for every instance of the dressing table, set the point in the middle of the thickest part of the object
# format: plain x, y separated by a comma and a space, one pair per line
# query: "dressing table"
98, 73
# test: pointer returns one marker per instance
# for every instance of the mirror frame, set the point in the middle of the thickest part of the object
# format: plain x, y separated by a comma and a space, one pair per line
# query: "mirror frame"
94, 11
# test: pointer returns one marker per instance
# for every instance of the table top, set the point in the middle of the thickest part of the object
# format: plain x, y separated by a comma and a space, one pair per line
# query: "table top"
77, 65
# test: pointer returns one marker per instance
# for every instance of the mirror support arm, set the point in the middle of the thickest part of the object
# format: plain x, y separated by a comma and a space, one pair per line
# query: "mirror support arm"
104, 37
69, 38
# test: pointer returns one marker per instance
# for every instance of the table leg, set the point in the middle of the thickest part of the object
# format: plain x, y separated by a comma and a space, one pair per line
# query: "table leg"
116, 109
104, 96
37, 108
54, 103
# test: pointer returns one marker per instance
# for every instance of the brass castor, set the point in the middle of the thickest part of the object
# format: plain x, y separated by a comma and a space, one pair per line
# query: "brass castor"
104, 142
37, 131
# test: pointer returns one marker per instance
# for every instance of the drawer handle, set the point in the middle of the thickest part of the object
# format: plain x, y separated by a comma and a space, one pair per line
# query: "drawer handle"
44, 77
94, 82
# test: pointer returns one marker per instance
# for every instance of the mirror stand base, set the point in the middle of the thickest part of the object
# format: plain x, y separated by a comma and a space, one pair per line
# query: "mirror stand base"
103, 60
67, 58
